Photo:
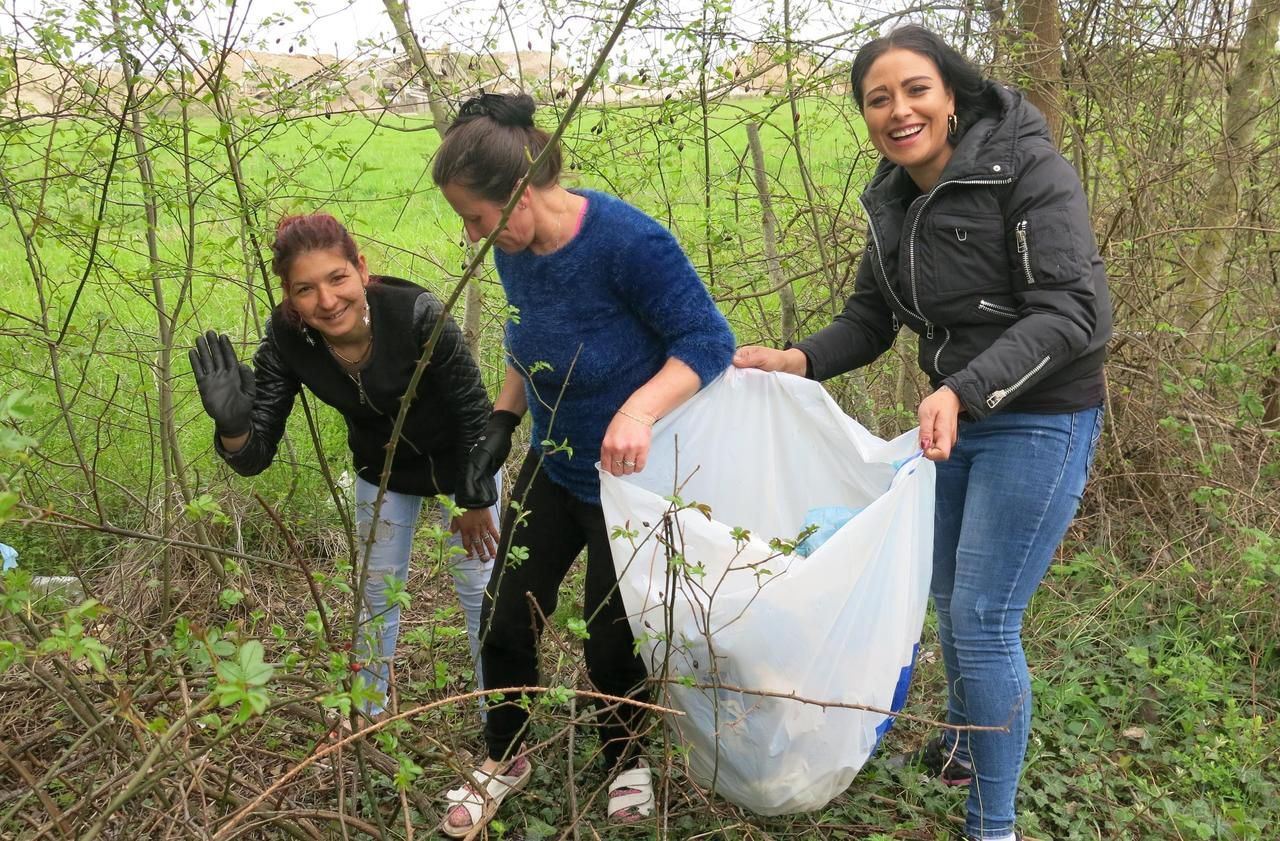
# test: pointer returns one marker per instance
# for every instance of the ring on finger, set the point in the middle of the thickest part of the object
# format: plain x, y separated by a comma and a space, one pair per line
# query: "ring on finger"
628, 463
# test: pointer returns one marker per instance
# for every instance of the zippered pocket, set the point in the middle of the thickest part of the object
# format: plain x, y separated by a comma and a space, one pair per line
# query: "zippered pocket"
1023, 239
1050, 250
996, 397
997, 309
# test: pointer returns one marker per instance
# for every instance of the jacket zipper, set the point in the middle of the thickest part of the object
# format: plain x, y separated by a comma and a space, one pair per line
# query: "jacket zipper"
359, 384
911, 258
994, 398
884, 274
1020, 234
358, 381
997, 309
937, 357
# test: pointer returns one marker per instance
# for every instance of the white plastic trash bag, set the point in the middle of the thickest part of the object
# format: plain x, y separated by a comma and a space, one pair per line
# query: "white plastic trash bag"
759, 452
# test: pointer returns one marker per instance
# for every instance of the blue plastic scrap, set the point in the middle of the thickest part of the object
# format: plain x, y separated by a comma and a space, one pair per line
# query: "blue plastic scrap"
829, 521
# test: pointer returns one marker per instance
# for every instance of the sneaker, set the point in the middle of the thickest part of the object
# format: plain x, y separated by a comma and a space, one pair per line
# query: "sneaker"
935, 760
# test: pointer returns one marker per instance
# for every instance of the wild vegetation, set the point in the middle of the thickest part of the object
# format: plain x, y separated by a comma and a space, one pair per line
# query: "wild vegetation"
187, 693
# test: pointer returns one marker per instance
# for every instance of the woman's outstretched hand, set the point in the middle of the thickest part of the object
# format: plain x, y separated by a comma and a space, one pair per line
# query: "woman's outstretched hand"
939, 423
792, 360
226, 385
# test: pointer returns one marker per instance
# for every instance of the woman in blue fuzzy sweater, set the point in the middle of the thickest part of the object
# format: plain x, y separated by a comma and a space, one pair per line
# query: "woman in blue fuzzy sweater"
611, 329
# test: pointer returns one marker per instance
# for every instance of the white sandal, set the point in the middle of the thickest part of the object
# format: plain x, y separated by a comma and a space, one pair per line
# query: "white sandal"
631, 794
481, 806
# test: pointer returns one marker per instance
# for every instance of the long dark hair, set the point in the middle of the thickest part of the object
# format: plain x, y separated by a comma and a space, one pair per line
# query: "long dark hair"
964, 80
490, 145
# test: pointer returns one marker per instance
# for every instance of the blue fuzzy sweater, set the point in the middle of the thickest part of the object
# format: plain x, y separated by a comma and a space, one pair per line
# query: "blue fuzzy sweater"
595, 320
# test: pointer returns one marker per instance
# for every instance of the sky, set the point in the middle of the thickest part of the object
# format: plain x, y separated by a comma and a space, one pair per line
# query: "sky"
339, 26
347, 28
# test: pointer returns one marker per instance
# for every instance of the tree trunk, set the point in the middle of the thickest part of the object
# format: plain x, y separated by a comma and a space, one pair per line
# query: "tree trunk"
1000, 35
398, 12
769, 222
1041, 59
1246, 101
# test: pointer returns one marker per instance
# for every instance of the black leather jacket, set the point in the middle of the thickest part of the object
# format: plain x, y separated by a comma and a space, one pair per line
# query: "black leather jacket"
996, 268
445, 418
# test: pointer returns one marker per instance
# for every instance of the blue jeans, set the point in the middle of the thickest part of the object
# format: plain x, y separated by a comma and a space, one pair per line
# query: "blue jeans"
1004, 501
389, 556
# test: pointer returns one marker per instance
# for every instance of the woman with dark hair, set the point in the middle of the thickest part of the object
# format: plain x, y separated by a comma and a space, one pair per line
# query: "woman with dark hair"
614, 330
980, 242
354, 339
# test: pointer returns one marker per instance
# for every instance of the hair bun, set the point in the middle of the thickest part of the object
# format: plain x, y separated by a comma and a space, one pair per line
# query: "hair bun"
286, 221
515, 110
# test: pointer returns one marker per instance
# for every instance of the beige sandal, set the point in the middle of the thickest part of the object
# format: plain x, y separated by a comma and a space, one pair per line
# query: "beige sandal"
480, 805
631, 794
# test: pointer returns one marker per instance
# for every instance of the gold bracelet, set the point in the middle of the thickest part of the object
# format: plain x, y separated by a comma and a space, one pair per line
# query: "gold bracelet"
650, 420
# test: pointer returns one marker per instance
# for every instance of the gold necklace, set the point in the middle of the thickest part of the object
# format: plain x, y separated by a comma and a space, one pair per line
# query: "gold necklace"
361, 358
559, 229
557, 244
354, 363
364, 354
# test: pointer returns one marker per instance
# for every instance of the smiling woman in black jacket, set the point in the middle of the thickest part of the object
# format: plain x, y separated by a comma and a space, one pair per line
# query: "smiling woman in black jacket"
980, 242
354, 339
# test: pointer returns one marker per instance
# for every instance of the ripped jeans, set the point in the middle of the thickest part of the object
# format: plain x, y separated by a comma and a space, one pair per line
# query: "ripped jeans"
393, 543
1004, 501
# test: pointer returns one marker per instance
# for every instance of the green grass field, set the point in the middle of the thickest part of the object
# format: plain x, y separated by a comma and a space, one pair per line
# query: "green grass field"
375, 177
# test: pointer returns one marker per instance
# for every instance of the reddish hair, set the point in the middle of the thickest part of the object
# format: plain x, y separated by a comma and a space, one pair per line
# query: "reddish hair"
299, 234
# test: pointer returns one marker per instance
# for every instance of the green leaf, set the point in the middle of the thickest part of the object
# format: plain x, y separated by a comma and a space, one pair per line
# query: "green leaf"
18, 405
8, 501
15, 595
13, 441
256, 672
340, 701
11, 654
205, 507
364, 693
408, 772
396, 593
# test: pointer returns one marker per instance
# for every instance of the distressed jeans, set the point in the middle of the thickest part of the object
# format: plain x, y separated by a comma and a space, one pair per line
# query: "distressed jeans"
389, 556
1004, 501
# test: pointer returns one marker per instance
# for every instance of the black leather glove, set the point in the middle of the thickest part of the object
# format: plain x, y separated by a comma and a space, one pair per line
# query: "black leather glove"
226, 385
478, 488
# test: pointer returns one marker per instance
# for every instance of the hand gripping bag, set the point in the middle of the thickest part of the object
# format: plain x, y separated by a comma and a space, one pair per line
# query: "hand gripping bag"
731, 626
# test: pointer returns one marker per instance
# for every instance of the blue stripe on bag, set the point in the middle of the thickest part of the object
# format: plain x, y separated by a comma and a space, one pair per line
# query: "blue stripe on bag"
899, 696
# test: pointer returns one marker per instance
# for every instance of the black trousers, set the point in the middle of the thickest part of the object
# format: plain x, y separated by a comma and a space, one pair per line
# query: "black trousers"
553, 527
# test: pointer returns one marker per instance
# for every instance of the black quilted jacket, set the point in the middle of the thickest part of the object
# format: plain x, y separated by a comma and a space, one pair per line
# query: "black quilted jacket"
996, 268
445, 418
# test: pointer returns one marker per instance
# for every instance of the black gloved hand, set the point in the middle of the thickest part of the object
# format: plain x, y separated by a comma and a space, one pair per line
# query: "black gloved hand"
226, 385
478, 488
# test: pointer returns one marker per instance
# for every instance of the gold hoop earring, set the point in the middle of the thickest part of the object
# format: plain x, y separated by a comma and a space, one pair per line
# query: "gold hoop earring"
953, 125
